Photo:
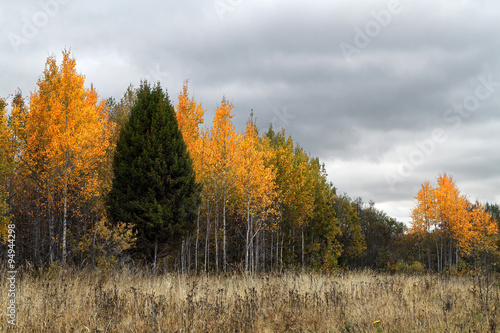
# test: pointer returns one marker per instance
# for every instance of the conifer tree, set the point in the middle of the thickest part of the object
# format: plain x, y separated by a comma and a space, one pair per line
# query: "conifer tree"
154, 191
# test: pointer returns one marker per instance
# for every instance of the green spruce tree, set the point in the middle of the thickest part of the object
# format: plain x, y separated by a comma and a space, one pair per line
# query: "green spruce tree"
154, 190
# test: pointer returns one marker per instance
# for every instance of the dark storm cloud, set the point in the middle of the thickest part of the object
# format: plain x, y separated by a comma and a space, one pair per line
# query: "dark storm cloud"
363, 114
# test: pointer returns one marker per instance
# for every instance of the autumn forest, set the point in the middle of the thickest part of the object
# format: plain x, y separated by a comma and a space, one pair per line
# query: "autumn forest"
148, 181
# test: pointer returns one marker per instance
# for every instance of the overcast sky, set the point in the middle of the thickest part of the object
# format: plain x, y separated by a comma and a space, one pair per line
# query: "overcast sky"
388, 94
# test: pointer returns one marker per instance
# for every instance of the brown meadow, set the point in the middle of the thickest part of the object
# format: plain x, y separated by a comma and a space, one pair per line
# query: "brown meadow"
125, 301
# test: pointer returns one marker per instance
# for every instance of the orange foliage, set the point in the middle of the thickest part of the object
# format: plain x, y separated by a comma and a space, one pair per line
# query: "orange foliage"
424, 215
443, 209
67, 127
67, 137
255, 180
189, 117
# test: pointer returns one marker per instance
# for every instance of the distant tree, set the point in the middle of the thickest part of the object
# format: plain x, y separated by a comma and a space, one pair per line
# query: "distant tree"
381, 233
120, 112
494, 211
324, 231
295, 197
458, 228
424, 217
154, 191
483, 232
351, 235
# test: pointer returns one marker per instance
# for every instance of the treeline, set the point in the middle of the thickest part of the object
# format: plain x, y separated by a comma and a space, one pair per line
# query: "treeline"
267, 205
98, 183
262, 202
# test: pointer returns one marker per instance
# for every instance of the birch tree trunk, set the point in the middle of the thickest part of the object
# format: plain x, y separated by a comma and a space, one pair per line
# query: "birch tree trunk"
65, 223
207, 239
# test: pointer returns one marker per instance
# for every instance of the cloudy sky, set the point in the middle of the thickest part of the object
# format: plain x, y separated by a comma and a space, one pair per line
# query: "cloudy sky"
388, 94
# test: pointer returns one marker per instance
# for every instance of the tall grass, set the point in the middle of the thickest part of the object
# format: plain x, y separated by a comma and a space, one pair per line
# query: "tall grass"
125, 301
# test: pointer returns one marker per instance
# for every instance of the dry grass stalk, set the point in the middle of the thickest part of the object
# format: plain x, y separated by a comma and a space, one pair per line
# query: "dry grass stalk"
75, 301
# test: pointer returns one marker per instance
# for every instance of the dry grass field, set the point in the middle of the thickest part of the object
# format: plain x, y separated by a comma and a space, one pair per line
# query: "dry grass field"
76, 301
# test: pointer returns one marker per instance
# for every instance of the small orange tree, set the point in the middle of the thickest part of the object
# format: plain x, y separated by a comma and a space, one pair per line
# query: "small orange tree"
458, 227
